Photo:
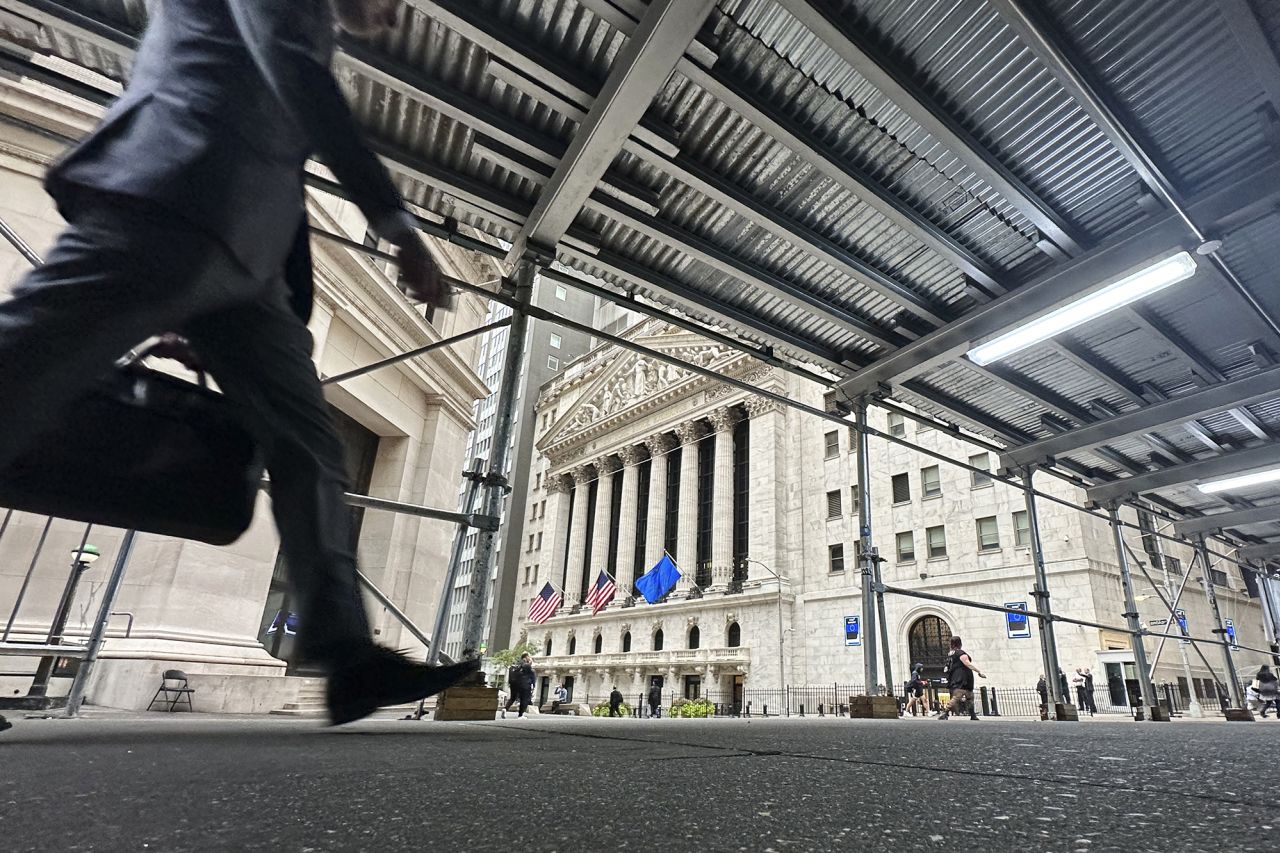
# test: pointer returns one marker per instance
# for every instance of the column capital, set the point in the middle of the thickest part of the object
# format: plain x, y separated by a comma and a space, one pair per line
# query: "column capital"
761, 406
690, 431
660, 444
607, 465
723, 419
583, 474
559, 484
630, 455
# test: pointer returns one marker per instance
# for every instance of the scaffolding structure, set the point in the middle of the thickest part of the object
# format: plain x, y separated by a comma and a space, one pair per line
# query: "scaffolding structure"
883, 358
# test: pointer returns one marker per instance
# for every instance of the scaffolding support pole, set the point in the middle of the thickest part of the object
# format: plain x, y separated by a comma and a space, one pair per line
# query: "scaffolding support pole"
890, 689
1233, 680
99, 632
1048, 644
866, 553
496, 484
1145, 687
475, 477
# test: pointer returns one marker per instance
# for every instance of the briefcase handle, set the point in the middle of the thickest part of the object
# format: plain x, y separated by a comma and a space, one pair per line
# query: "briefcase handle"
137, 354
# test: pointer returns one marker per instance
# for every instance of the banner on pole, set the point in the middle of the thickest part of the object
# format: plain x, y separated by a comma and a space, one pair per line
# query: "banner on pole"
1017, 625
1182, 626
852, 631
1230, 627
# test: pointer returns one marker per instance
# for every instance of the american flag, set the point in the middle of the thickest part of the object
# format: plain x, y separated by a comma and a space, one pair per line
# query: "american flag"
602, 593
546, 604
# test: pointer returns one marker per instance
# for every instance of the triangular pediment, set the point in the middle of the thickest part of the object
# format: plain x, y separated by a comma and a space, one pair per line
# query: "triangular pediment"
627, 381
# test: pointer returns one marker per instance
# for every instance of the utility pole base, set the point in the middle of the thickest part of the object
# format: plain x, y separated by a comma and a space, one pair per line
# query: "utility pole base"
1159, 714
467, 703
1065, 712
32, 703
1238, 715
873, 707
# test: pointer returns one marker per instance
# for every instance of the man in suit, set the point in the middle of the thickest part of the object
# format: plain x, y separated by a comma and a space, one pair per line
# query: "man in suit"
186, 213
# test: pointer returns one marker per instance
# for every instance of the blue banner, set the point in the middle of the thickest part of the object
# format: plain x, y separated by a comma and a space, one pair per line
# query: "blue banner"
1017, 625
852, 631
659, 580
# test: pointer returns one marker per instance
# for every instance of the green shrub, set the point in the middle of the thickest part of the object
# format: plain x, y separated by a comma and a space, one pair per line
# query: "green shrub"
602, 710
692, 708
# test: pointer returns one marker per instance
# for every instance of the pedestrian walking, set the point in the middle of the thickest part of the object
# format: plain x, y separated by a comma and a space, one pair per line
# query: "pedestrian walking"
186, 214
1268, 690
655, 699
959, 671
520, 680
917, 696
1084, 690
615, 702
1042, 687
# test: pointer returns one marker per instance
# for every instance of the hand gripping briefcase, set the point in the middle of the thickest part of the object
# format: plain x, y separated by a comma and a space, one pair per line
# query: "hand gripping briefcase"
146, 451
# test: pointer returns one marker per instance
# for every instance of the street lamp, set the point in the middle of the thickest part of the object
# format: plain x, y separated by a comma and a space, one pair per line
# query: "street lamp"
81, 559
782, 672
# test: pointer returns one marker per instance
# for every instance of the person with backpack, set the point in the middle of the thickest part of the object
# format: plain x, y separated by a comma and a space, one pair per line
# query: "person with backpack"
655, 699
917, 698
615, 702
1268, 687
959, 670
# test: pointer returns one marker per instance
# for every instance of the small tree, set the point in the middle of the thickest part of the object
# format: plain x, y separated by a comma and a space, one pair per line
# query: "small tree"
505, 659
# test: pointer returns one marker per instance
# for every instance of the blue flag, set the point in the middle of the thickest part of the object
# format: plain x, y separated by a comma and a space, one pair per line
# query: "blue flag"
659, 580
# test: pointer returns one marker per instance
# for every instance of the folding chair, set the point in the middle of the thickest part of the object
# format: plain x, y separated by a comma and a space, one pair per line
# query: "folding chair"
174, 692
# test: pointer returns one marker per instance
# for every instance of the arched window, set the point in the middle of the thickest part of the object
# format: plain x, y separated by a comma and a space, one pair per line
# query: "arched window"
657, 640
626, 641
547, 653
599, 643
735, 636
929, 640
573, 645
695, 636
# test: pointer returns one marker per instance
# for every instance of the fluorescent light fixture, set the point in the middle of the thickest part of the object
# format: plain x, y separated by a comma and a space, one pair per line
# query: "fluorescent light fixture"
1257, 478
1145, 282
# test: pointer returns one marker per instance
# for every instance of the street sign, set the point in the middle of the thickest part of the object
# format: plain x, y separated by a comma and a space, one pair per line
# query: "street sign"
1017, 625
1182, 626
1231, 632
852, 631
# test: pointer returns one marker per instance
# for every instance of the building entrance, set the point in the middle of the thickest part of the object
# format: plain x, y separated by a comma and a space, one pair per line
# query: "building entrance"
929, 641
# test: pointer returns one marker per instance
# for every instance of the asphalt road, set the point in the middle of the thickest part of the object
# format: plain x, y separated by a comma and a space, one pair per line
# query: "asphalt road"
192, 782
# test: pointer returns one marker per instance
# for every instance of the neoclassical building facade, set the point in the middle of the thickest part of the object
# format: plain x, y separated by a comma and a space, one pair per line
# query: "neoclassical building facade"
757, 504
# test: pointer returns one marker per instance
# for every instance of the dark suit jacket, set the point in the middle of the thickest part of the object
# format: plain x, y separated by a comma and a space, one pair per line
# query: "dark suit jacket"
228, 99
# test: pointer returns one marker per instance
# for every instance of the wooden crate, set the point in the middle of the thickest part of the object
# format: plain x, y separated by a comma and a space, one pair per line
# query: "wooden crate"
467, 703
873, 707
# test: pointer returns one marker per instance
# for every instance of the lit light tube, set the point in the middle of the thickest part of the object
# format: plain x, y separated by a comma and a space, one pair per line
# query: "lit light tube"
1154, 278
1257, 478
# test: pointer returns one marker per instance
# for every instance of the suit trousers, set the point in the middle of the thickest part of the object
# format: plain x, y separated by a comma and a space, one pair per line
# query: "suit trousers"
124, 270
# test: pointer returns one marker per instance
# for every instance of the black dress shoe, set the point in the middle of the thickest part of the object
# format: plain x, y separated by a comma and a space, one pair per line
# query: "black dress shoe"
5, 724
381, 677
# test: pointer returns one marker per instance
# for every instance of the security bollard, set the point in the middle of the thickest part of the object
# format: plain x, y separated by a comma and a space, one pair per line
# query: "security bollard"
986, 701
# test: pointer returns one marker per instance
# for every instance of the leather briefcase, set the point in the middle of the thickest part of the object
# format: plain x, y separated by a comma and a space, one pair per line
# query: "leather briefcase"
146, 451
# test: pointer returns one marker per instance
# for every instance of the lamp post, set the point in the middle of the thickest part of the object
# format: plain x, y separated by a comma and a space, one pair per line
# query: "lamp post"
782, 670
81, 559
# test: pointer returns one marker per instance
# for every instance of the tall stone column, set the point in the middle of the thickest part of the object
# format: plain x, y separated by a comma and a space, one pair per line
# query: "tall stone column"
687, 531
582, 476
765, 539
600, 536
722, 421
555, 532
627, 517
655, 527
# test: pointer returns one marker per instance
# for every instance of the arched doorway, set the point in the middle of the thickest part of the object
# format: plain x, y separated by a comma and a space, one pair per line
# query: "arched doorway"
929, 640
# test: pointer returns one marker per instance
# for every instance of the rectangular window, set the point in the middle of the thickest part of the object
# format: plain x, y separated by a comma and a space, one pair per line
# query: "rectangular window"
1218, 576
897, 425
936, 539
988, 534
833, 505
530, 548
836, 555
930, 481
556, 341
561, 292
553, 363
1021, 529
901, 488
906, 547
983, 461
855, 501
833, 444
539, 545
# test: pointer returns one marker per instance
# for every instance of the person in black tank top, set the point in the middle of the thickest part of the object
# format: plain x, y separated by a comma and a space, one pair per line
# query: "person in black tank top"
959, 670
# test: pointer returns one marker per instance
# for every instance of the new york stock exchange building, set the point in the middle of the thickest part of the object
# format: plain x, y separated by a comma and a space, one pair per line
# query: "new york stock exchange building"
757, 504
